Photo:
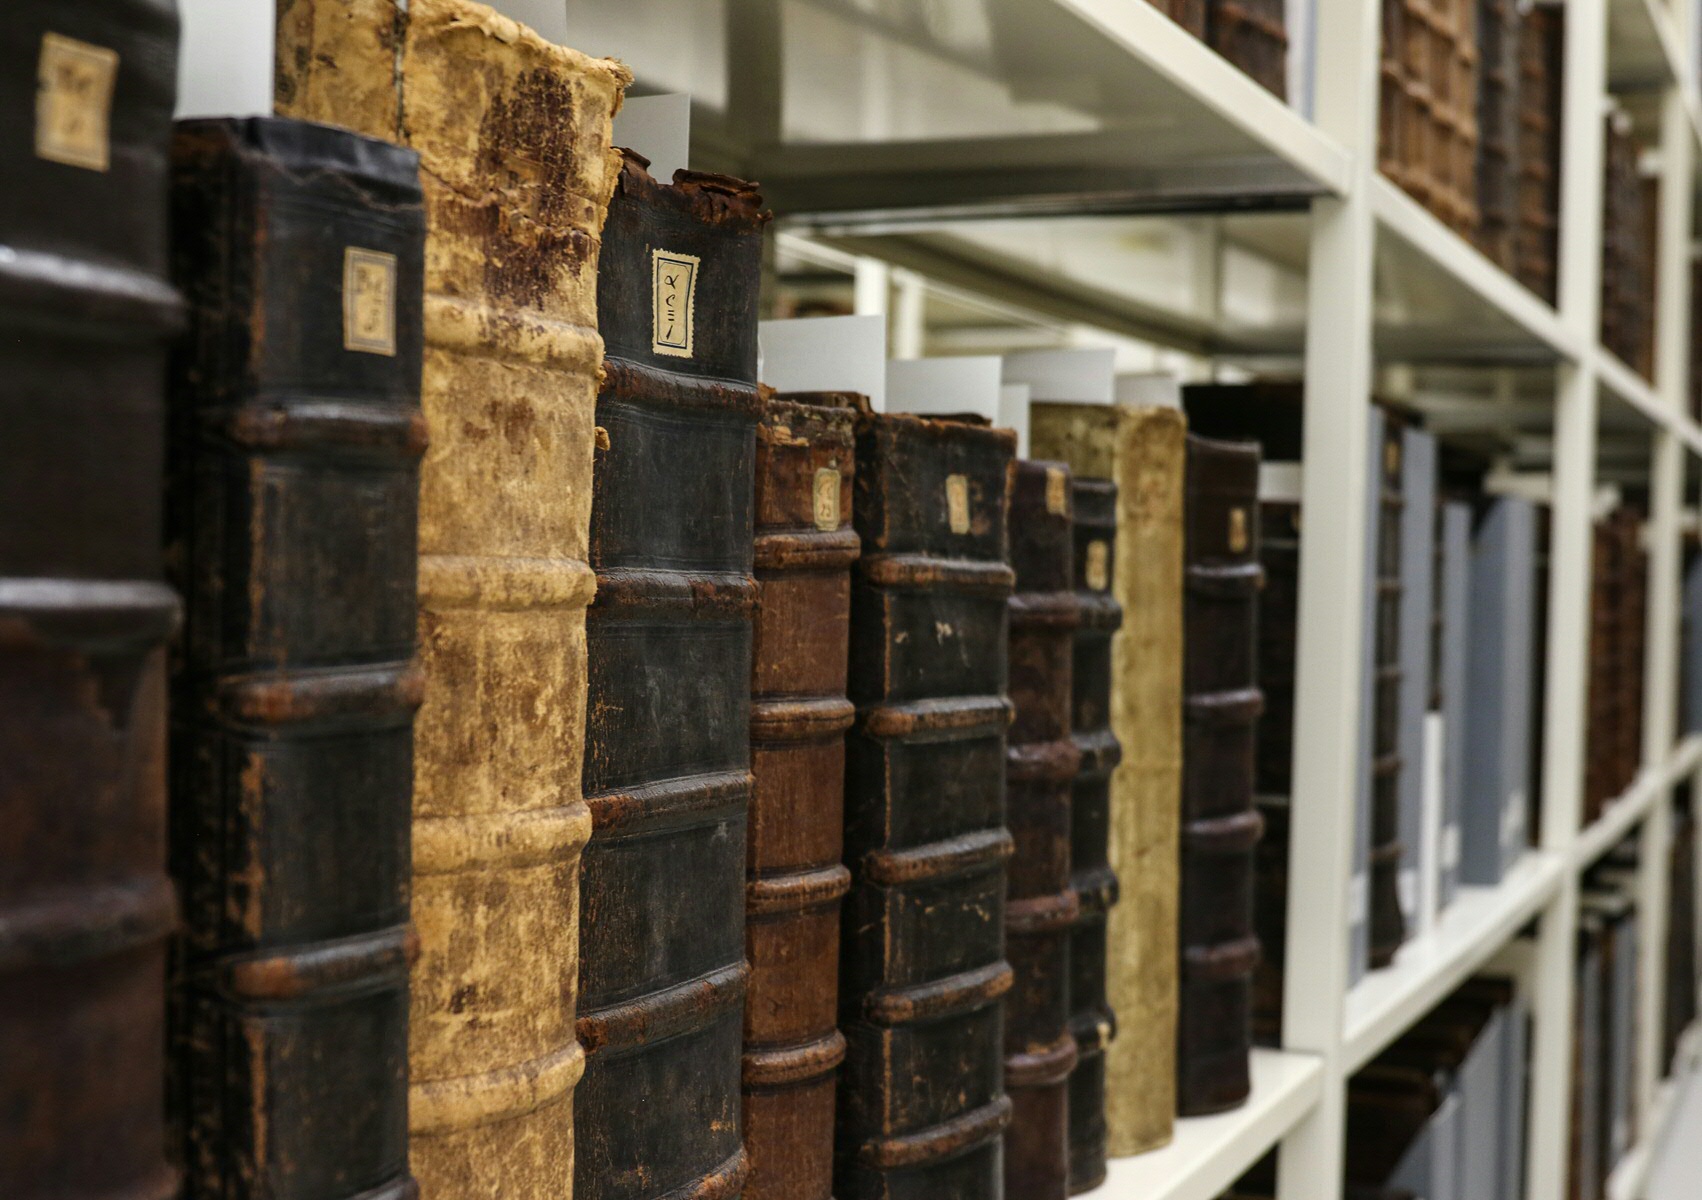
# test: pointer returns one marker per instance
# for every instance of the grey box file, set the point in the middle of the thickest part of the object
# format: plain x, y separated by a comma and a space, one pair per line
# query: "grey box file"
1515, 1063
1479, 1083
1416, 1170
1690, 662
1498, 690
1418, 566
1445, 1150
1456, 533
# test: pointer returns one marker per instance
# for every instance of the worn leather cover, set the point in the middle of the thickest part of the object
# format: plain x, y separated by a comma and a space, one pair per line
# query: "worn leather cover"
1042, 759
294, 460
1092, 1020
1142, 451
795, 881
1629, 223
667, 764
923, 977
86, 309
1388, 922
1220, 825
513, 137
1429, 106
1252, 34
1498, 34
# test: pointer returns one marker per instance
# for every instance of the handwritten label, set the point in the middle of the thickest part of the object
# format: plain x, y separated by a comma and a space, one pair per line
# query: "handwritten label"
675, 296
957, 503
827, 499
1057, 491
1098, 569
73, 103
369, 301
1238, 531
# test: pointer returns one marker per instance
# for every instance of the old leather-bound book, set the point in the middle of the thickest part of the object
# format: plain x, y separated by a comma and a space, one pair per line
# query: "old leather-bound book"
1220, 826
923, 978
1537, 231
1498, 33
513, 138
294, 487
1253, 35
667, 756
1388, 924
1092, 1020
1141, 449
86, 311
1041, 906
794, 882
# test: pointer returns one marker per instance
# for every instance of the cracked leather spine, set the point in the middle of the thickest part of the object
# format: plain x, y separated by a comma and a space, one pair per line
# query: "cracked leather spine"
667, 764
86, 314
294, 478
922, 1105
1220, 826
795, 879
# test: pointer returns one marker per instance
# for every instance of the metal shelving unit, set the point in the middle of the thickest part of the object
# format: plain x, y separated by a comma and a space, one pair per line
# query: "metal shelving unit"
909, 132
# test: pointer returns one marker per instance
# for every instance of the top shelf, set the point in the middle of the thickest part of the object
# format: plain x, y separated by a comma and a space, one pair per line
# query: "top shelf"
987, 107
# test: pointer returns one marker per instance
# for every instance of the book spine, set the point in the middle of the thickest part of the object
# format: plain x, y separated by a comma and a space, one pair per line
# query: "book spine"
795, 882
922, 1105
86, 314
508, 391
1388, 923
1251, 34
1536, 234
1092, 1020
1220, 826
1041, 763
294, 489
667, 763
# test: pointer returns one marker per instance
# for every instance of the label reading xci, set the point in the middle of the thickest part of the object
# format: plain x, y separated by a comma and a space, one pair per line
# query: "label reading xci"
369, 301
957, 503
73, 102
674, 289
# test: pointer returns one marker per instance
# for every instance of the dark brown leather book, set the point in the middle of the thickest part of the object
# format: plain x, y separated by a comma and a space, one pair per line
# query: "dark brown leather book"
794, 882
667, 755
1041, 906
1279, 616
1536, 235
1498, 24
1253, 35
1220, 826
1091, 1019
1388, 924
923, 977
1628, 251
86, 314
1189, 14
294, 465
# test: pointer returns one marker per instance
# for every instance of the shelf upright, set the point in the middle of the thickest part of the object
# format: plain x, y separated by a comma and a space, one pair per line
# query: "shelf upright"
1575, 419
1337, 501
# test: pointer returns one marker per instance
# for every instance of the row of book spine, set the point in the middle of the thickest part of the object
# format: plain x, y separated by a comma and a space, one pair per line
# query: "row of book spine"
1252, 34
461, 418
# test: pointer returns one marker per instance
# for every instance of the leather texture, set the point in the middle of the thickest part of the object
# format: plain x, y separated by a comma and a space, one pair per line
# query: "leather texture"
1041, 906
1220, 826
516, 170
795, 881
1629, 224
1536, 236
294, 480
1092, 1020
86, 313
667, 763
1141, 450
1428, 95
1388, 923
1252, 34
923, 977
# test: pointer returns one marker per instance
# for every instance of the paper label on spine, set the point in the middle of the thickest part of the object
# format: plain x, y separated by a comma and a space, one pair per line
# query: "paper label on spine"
1238, 531
674, 291
827, 499
73, 104
369, 301
1098, 569
957, 502
1057, 491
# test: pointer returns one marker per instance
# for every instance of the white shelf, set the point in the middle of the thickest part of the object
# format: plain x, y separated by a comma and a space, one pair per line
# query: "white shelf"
1385, 1003
1208, 1154
1623, 814
1478, 306
1631, 1175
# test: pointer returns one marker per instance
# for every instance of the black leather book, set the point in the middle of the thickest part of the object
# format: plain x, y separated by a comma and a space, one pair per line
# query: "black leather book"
296, 437
667, 754
1220, 826
923, 978
86, 315
1095, 884
1388, 923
